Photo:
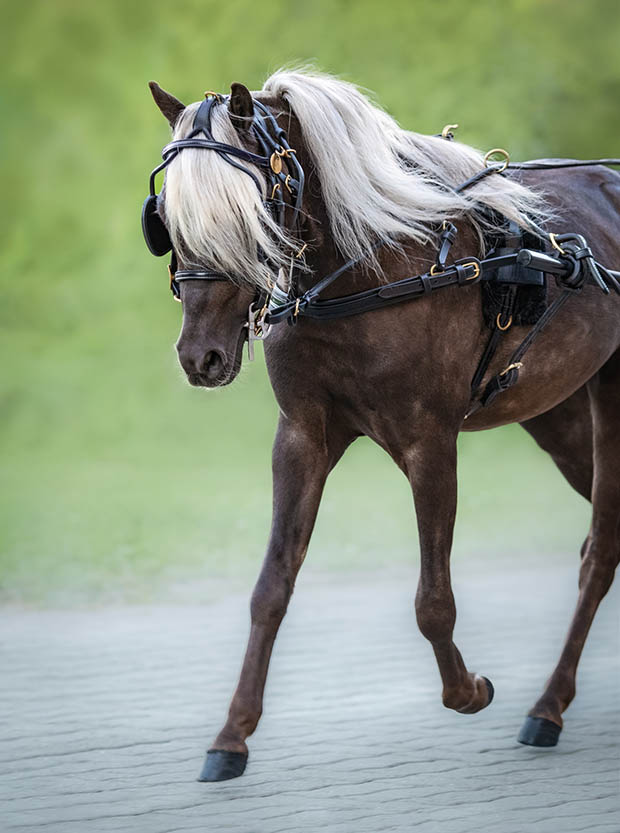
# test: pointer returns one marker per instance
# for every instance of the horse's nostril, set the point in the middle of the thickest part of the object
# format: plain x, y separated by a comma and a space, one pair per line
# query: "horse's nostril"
198, 365
213, 365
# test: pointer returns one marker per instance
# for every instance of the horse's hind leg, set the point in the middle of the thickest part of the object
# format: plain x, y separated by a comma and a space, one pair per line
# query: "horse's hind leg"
430, 465
565, 432
600, 556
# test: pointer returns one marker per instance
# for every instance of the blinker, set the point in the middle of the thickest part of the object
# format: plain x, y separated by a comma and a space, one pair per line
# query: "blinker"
155, 232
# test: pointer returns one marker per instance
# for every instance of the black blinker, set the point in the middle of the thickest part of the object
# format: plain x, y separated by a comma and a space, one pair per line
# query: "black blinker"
155, 232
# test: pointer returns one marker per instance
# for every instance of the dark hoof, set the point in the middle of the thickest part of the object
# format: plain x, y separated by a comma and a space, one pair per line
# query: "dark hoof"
490, 690
538, 731
221, 765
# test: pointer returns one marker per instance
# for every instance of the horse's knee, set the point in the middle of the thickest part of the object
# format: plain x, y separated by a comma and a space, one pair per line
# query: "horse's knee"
270, 599
436, 615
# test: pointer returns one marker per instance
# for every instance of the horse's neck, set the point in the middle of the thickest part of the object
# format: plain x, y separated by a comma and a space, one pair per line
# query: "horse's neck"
413, 258
323, 257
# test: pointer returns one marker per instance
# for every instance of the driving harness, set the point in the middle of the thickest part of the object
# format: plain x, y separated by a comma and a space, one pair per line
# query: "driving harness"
515, 260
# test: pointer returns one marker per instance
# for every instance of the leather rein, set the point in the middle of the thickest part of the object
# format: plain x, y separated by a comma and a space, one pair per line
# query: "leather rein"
570, 259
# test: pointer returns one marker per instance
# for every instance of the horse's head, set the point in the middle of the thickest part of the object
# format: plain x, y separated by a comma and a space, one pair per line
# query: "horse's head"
221, 213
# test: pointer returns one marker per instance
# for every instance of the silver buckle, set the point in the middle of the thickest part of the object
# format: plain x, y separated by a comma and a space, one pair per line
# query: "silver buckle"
257, 329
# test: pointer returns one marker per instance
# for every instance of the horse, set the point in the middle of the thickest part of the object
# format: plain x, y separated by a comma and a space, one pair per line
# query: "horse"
374, 209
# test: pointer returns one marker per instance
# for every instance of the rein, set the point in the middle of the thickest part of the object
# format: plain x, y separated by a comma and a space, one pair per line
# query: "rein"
571, 260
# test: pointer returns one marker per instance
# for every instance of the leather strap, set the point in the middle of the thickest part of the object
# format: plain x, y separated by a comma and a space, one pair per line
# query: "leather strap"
552, 164
509, 376
308, 305
199, 275
501, 325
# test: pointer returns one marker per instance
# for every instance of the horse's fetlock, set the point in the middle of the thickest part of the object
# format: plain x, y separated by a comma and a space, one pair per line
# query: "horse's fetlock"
456, 698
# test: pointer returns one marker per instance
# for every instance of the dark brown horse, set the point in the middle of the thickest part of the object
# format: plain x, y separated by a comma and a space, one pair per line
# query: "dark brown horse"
399, 375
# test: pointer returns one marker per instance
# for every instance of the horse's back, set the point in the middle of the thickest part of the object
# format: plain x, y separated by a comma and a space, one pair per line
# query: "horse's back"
586, 201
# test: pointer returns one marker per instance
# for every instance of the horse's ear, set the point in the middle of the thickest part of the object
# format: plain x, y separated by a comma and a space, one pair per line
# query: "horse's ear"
240, 106
170, 106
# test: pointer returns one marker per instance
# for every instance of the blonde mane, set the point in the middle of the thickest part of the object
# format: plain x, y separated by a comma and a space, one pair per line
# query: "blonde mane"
378, 181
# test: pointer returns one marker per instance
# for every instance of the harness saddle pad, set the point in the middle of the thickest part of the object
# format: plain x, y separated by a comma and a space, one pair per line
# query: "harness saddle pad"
531, 296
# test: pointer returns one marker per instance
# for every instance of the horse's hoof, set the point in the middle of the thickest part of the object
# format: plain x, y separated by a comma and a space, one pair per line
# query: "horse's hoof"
221, 765
538, 731
490, 690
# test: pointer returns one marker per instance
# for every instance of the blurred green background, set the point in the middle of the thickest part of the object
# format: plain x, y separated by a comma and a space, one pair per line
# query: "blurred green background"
119, 481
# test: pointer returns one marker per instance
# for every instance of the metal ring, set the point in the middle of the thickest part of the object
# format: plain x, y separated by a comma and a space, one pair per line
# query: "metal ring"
215, 95
434, 269
276, 187
492, 152
499, 326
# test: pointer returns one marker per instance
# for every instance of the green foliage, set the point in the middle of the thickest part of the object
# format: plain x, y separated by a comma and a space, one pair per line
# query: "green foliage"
117, 476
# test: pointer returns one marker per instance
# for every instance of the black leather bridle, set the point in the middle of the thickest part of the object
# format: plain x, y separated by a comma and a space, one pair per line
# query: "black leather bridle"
278, 160
569, 259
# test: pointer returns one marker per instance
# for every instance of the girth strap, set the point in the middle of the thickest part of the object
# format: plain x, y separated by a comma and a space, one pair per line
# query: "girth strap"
501, 324
509, 376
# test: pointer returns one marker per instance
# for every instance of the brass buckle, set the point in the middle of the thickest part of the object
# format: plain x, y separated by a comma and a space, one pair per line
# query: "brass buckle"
448, 129
209, 93
435, 270
513, 366
171, 278
276, 187
492, 152
476, 266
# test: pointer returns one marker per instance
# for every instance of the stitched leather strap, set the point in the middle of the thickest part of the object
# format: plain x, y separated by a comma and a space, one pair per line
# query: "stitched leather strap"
309, 306
199, 275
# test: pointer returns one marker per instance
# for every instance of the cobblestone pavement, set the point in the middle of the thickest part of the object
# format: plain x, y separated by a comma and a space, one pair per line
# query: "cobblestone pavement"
105, 715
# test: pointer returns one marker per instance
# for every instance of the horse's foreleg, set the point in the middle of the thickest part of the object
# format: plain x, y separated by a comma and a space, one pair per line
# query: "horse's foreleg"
600, 557
301, 462
431, 468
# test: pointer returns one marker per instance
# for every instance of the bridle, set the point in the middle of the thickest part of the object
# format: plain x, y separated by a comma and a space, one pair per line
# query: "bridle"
570, 259
283, 173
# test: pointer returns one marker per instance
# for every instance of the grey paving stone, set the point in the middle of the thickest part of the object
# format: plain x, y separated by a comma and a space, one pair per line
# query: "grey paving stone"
105, 715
